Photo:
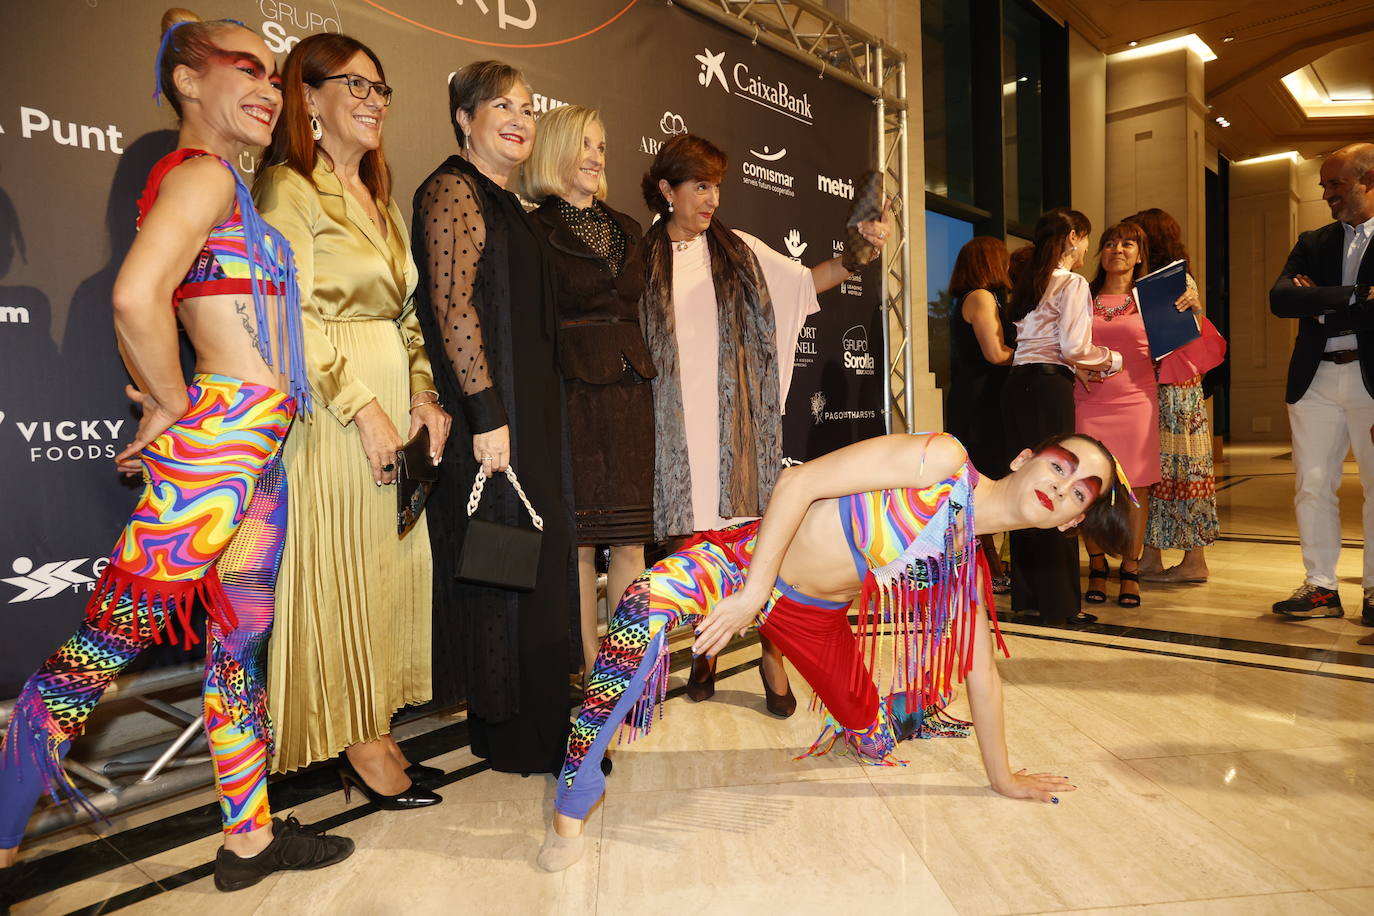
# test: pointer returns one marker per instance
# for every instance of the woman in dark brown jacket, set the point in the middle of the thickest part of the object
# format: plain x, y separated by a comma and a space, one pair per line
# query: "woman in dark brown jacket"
598, 257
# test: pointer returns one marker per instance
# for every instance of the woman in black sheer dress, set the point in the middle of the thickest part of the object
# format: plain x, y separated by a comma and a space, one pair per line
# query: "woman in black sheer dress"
485, 303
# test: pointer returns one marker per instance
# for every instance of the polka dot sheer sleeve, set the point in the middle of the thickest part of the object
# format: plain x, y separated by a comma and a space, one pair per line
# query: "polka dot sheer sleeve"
455, 235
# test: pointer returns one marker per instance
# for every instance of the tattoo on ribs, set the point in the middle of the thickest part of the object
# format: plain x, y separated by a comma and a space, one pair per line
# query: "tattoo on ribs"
242, 310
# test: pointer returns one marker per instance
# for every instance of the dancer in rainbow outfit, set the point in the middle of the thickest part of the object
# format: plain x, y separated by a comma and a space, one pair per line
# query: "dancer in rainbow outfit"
886, 526
208, 529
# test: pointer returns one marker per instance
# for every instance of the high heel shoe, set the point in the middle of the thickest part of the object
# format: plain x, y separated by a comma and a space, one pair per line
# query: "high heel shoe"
1125, 598
781, 705
1099, 573
418, 772
701, 684
411, 797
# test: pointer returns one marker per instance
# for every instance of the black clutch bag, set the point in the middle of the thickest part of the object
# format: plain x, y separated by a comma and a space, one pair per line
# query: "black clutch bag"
868, 206
415, 477
499, 555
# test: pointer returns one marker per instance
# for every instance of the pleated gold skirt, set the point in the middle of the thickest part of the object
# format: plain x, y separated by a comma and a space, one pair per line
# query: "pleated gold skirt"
351, 640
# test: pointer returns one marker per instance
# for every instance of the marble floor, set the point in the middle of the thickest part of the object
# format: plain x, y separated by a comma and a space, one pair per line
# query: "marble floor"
1224, 760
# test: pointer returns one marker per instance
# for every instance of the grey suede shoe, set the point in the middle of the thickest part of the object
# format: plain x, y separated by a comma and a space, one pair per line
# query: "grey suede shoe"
560, 852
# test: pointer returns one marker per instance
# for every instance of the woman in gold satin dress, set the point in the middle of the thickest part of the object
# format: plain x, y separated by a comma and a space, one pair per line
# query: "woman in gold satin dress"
352, 638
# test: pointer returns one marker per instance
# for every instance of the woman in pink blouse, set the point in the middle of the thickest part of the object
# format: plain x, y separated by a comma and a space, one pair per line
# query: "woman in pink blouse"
1122, 411
1052, 309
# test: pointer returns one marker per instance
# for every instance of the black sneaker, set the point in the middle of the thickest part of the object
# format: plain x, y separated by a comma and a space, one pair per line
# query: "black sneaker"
294, 847
1367, 609
1310, 602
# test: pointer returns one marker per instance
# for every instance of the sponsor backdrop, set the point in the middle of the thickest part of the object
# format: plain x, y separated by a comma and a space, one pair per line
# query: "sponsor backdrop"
79, 133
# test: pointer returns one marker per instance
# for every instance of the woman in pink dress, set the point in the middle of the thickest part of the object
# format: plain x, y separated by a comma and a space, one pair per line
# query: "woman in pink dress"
1122, 410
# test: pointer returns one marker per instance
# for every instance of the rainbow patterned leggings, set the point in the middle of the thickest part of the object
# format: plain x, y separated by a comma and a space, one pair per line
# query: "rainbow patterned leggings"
629, 678
208, 529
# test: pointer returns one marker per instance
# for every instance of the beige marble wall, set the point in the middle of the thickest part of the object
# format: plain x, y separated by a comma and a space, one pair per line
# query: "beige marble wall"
1312, 210
1156, 143
1264, 218
1088, 129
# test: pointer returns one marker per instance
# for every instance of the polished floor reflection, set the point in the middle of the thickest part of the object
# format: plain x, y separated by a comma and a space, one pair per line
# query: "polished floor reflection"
1224, 759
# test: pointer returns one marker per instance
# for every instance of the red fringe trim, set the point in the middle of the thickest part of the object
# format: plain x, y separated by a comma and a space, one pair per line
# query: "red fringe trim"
176, 600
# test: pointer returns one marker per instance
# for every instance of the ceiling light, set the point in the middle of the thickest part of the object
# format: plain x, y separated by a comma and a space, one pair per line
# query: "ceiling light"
1228, 39
1190, 41
1291, 156
1134, 43
1222, 121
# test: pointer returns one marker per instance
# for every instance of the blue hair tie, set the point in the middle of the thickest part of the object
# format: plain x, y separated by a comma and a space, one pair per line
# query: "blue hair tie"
162, 52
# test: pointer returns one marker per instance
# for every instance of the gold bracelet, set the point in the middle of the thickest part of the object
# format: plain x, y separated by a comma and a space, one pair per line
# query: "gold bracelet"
434, 400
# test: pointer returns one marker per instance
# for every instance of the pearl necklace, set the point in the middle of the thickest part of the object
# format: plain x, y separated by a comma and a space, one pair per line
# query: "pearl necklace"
1107, 313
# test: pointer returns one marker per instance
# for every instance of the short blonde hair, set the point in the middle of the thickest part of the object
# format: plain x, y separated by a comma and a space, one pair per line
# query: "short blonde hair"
557, 146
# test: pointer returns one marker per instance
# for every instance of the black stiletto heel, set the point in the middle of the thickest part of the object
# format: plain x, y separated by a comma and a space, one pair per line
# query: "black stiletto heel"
1098, 573
418, 772
701, 684
411, 797
1125, 599
781, 705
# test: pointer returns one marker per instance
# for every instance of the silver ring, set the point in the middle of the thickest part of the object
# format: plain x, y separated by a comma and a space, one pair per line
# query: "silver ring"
488, 458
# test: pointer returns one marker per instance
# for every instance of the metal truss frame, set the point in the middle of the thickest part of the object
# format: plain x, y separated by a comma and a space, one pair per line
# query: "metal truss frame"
808, 32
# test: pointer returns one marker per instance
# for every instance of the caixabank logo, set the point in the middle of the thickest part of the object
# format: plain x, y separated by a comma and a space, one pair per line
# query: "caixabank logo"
35, 581
741, 81
61, 439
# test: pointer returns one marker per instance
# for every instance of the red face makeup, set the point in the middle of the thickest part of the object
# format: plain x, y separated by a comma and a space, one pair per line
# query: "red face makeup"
248, 63
1065, 463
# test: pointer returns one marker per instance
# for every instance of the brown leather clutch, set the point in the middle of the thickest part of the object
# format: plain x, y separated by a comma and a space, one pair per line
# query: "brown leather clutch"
415, 477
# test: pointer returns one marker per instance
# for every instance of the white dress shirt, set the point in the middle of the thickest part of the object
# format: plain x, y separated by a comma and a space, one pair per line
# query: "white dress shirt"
1356, 241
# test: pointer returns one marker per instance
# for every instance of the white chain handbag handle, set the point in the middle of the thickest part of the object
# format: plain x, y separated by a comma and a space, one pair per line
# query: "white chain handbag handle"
481, 482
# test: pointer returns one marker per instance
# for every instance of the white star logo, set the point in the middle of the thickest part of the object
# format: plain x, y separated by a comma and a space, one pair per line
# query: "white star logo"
712, 68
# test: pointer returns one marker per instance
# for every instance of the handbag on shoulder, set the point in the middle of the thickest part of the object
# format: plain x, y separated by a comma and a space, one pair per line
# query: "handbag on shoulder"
499, 555
416, 474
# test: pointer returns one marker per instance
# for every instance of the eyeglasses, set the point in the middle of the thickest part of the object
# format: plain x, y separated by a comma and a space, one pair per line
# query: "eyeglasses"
361, 87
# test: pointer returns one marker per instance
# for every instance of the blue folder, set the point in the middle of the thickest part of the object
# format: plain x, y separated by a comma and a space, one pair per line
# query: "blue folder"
1166, 327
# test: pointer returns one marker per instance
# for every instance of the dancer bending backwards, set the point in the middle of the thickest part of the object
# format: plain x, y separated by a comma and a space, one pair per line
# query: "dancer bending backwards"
889, 521
208, 527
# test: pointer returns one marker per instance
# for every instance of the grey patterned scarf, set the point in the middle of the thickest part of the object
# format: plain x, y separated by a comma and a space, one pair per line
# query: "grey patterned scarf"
750, 415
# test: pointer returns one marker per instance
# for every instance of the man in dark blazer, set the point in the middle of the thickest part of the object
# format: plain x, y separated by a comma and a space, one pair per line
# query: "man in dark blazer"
1326, 286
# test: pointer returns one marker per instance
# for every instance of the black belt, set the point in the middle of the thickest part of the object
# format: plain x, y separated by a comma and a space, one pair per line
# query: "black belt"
1043, 369
1341, 357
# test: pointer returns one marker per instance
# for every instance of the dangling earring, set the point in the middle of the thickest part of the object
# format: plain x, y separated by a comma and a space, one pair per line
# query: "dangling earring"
315, 130
670, 206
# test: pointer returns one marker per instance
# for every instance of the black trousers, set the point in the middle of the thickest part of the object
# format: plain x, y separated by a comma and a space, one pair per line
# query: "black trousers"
1037, 403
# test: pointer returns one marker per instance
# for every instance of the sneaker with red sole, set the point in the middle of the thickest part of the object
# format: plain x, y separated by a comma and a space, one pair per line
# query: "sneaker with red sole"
1310, 602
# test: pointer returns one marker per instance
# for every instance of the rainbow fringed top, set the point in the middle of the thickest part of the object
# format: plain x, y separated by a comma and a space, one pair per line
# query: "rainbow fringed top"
923, 575
245, 255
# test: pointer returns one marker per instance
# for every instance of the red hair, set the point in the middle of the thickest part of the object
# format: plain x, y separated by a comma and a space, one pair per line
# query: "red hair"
982, 264
684, 158
1165, 235
310, 61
